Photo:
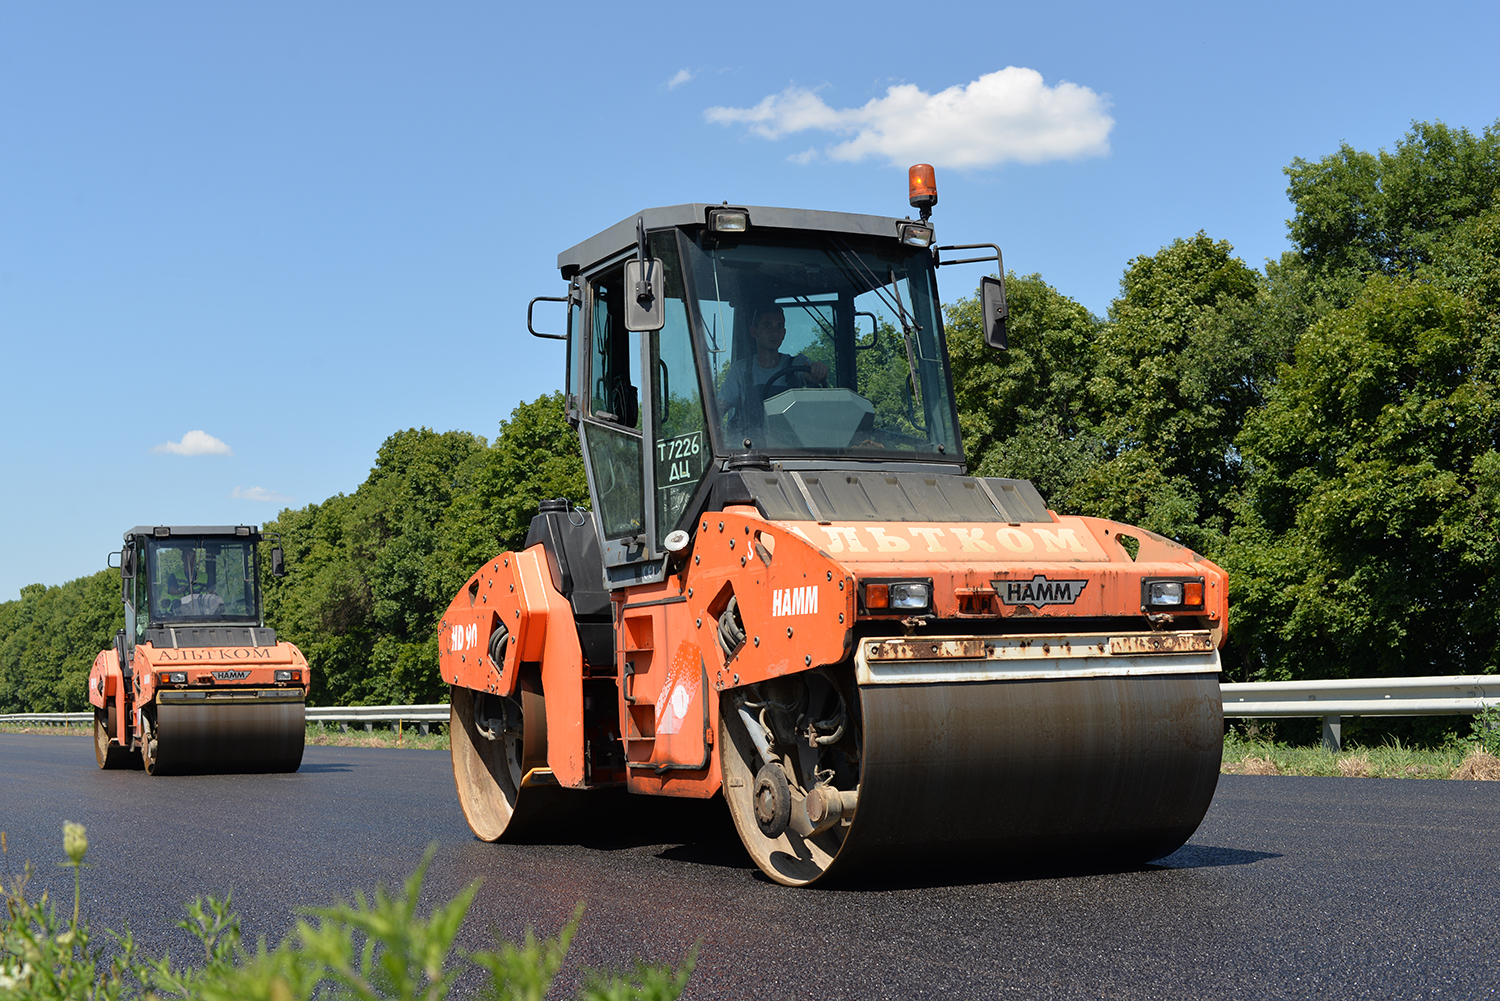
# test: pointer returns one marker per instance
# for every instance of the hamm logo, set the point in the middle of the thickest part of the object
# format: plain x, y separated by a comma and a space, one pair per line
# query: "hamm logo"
231, 675
794, 601
1038, 591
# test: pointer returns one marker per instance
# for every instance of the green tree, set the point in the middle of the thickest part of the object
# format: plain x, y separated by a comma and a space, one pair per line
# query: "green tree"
49, 638
1367, 541
1022, 410
1359, 213
371, 573
1191, 345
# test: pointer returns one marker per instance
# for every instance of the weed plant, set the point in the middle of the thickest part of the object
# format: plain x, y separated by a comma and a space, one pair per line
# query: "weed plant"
372, 948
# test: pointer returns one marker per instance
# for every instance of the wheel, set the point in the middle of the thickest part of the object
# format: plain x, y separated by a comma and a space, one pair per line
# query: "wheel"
106, 752
496, 742
794, 811
206, 739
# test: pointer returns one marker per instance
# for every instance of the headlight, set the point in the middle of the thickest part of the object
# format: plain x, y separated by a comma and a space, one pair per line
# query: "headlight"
911, 597
173, 677
915, 235
289, 676
1184, 594
728, 220
897, 595
1165, 592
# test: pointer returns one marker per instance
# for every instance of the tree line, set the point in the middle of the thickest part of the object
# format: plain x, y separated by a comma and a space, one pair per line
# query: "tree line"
1327, 428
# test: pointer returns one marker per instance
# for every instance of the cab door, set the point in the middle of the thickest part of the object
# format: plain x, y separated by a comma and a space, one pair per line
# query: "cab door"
611, 428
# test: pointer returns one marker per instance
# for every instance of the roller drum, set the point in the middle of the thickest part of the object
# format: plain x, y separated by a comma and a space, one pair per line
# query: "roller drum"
1119, 769
1009, 773
235, 737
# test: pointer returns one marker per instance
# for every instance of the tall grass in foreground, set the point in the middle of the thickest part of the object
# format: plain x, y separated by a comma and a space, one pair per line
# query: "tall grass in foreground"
377, 948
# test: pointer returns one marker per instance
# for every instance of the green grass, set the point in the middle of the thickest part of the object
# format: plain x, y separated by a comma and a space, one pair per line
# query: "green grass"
373, 947
1244, 755
382, 735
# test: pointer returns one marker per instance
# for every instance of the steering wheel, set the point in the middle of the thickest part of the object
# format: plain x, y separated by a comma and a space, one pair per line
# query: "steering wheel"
766, 392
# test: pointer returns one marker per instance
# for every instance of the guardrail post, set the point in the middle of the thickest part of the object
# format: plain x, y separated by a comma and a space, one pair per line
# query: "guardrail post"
424, 728
369, 727
1333, 733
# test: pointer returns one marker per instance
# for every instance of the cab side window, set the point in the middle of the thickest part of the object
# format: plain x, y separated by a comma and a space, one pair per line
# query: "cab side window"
612, 429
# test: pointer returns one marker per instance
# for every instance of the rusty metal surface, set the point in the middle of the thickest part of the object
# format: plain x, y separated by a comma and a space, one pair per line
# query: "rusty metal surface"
952, 659
198, 738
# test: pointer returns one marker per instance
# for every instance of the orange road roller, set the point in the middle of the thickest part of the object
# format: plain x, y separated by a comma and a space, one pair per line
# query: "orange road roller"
793, 591
196, 682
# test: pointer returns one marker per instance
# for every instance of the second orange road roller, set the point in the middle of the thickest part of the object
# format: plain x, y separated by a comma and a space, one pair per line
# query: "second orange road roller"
196, 681
793, 591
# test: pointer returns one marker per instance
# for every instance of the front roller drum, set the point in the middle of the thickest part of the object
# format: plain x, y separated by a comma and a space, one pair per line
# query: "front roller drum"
204, 738
1003, 774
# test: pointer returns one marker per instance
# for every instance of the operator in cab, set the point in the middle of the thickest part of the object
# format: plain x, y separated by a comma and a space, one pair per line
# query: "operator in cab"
197, 597
753, 378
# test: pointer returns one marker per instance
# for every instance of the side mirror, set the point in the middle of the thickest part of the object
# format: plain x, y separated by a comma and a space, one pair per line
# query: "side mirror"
993, 311
644, 291
278, 563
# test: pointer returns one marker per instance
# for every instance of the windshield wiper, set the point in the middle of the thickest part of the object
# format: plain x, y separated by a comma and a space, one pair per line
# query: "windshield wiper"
909, 326
906, 330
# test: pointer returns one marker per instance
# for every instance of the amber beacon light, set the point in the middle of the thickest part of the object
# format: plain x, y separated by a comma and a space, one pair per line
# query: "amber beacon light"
921, 184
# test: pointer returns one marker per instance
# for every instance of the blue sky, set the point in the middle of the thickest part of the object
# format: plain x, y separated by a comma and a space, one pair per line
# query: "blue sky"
298, 228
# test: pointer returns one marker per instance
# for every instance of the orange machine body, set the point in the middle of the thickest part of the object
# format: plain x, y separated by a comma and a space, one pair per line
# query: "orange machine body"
797, 585
209, 670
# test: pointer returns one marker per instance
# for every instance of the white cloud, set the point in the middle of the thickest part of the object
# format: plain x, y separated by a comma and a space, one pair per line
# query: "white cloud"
682, 77
260, 494
1008, 115
194, 443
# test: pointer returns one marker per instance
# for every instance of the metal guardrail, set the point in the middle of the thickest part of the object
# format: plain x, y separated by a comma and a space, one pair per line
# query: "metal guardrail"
423, 714
1446, 696
1332, 700
436, 712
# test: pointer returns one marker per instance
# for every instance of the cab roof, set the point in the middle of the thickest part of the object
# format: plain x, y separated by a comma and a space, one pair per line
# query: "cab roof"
621, 236
253, 531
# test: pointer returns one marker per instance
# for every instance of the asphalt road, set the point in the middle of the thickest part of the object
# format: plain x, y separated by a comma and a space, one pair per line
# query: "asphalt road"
1292, 888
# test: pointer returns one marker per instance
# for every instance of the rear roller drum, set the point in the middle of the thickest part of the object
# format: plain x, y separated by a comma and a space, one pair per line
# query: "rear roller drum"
106, 752
496, 742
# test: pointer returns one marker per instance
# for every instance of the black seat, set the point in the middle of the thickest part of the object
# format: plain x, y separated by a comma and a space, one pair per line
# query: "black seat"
577, 567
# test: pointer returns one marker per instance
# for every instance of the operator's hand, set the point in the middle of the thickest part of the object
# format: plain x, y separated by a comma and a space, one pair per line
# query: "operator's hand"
818, 372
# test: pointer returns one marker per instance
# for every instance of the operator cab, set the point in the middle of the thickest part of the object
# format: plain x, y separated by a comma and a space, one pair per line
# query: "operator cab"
709, 340
177, 579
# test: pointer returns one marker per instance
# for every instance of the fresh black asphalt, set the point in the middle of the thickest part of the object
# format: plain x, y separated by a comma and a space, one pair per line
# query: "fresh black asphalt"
1292, 888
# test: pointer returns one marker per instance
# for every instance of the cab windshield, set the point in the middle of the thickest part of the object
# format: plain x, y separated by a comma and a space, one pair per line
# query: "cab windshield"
824, 345
196, 580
